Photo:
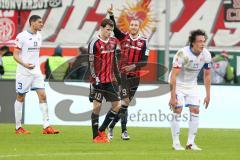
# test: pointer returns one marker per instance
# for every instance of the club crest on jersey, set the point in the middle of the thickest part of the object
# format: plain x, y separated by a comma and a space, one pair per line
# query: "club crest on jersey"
139, 44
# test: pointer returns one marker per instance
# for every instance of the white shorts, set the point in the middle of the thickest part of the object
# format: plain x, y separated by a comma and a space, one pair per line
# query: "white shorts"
26, 82
187, 97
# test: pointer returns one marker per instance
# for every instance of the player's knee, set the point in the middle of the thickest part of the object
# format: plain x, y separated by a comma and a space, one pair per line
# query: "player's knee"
20, 98
126, 101
178, 110
194, 110
116, 106
42, 98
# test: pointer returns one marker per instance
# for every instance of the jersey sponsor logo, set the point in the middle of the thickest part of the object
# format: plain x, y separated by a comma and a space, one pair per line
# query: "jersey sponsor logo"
134, 47
195, 65
107, 51
139, 44
33, 49
192, 69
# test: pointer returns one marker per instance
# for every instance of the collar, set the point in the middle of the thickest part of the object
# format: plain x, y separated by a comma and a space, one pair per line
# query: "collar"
31, 32
105, 41
195, 54
134, 39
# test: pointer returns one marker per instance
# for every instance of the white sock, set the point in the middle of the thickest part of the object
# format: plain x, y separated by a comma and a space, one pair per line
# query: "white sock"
44, 110
175, 128
18, 107
193, 127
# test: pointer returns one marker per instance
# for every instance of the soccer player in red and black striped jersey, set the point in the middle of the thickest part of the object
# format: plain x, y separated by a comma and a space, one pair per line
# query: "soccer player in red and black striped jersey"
104, 73
133, 56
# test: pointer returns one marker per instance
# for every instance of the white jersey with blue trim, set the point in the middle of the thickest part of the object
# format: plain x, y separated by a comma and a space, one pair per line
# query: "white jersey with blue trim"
190, 65
29, 44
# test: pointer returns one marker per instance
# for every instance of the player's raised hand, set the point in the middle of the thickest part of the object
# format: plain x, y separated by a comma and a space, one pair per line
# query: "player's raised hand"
110, 10
206, 101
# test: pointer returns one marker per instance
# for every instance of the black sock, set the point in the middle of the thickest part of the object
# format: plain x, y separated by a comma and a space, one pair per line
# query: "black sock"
94, 118
124, 116
118, 116
116, 119
109, 117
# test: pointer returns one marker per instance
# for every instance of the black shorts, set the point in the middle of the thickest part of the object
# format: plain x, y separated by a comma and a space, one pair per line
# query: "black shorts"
129, 86
109, 91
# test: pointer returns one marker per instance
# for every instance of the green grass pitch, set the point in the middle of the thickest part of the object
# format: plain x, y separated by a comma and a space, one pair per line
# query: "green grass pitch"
75, 143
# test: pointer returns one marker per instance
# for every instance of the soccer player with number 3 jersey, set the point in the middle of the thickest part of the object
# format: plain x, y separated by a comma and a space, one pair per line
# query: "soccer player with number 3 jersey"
28, 74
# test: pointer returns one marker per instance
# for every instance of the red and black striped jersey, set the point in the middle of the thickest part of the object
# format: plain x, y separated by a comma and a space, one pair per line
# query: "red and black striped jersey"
133, 51
102, 59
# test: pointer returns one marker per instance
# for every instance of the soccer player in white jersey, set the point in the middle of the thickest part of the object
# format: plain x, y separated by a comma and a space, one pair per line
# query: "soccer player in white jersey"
187, 64
28, 74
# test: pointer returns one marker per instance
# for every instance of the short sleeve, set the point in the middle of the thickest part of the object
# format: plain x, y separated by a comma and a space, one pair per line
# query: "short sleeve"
19, 41
208, 60
178, 59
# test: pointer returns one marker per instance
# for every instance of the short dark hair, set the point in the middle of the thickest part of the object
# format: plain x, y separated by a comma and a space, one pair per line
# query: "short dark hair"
33, 18
106, 22
194, 34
